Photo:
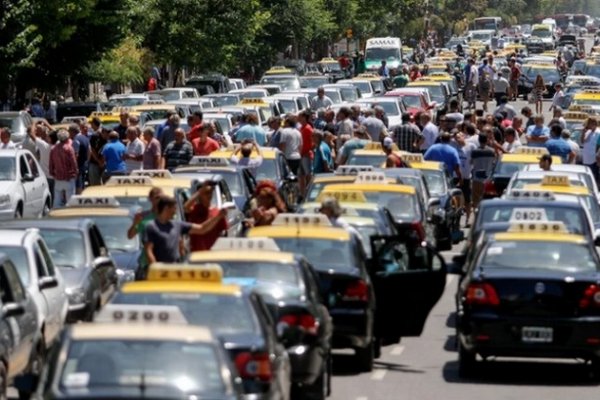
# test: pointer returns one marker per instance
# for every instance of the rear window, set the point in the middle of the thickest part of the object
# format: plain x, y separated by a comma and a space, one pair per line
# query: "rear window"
363, 159
574, 219
508, 168
403, 207
268, 272
323, 254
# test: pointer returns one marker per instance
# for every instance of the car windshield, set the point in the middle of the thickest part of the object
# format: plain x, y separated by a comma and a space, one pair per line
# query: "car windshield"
323, 254
521, 182
67, 247
114, 235
127, 102
222, 101
435, 92
267, 170
169, 95
134, 202
223, 314
313, 83
390, 107
412, 101
365, 232
557, 256
549, 75
147, 364
334, 96
380, 54
593, 70
573, 218
436, 182
8, 168
267, 272
251, 94
482, 36
508, 168
348, 94
286, 83
18, 256
288, 106
375, 160
234, 182
156, 114
364, 87
330, 66
541, 33
223, 122
403, 207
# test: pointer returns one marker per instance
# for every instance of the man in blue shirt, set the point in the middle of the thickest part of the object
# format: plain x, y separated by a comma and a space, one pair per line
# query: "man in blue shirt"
384, 71
112, 153
537, 134
251, 131
322, 162
445, 153
557, 146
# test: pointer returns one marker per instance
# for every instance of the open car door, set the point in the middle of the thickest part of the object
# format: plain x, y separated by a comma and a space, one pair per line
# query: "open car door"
409, 279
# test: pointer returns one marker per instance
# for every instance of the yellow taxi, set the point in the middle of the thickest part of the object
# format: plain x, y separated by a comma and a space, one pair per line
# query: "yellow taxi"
437, 90
372, 154
587, 97
438, 180
342, 174
108, 119
280, 70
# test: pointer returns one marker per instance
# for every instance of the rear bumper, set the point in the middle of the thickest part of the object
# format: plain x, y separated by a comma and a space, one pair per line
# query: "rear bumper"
352, 327
497, 336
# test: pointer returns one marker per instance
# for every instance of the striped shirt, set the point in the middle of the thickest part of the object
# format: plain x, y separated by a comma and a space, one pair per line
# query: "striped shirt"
63, 164
407, 137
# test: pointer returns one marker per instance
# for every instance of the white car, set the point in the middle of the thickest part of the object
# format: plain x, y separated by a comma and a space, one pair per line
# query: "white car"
43, 281
24, 190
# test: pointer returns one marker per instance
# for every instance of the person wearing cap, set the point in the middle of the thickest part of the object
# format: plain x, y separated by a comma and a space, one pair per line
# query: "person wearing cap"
545, 162
559, 97
198, 210
445, 153
63, 167
322, 161
391, 160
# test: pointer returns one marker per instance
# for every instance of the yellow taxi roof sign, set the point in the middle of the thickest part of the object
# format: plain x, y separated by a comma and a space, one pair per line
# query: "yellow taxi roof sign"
153, 173
555, 180
540, 151
368, 75
412, 158
527, 194
129, 181
205, 273
253, 101
209, 161
96, 201
101, 114
373, 146
574, 115
371, 177
328, 60
539, 227
352, 170
245, 244
137, 314
305, 220
346, 196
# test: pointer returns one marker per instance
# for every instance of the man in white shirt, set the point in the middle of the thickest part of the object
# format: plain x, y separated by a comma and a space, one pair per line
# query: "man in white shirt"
5, 142
320, 100
511, 141
430, 131
559, 97
566, 135
501, 87
588, 142
134, 154
511, 113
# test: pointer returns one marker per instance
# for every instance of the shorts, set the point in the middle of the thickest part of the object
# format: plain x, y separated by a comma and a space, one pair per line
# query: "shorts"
477, 192
305, 167
294, 166
466, 189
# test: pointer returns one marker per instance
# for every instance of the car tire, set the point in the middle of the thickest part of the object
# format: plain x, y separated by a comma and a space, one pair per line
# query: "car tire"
467, 362
364, 357
37, 365
3, 382
47, 207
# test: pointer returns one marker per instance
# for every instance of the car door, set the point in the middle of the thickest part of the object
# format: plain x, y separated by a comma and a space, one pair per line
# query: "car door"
409, 280
54, 295
39, 184
104, 267
234, 215
28, 184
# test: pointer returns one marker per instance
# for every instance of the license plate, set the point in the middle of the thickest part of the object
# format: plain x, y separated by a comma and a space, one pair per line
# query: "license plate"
534, 334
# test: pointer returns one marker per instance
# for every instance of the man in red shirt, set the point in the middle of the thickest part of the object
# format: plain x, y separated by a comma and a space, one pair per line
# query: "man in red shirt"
204, 145
63, 168
304, 172
197, 211
196, 126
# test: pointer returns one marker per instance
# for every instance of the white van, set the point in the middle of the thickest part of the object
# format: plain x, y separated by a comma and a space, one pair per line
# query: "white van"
380, 49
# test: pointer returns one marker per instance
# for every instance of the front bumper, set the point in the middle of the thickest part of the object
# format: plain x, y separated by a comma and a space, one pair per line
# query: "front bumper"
491, 335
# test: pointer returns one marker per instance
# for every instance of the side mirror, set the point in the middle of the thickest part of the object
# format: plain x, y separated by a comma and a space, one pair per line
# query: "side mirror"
47, 282
433, 202
12, 310
102, 262
28, 178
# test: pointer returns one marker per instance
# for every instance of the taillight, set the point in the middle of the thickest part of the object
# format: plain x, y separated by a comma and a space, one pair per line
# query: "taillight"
305, 322
417, 227
591, 297
482, 294
254, 365
489, 188
356, 291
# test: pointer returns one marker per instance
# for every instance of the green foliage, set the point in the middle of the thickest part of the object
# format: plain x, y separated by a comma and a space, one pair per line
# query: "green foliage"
122, 65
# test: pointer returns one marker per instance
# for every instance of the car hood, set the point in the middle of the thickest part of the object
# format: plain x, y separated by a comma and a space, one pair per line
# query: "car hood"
74, 277
7, 186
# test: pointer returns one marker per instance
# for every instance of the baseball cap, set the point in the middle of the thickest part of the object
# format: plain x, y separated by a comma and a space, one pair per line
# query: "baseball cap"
388, 143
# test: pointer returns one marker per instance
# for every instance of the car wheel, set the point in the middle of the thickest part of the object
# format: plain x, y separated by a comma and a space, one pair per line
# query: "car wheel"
466, 361
35, 370
364, 357
3, 382
46, 209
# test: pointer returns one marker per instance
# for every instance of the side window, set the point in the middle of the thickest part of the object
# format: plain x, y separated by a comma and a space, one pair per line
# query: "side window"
33, 166
15, 288
40, 265
47, 258
96, 245
225, 194
23, 166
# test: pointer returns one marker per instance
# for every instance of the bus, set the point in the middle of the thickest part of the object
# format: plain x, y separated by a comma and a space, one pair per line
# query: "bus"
580, 20
487, 23
563, 20
388, 49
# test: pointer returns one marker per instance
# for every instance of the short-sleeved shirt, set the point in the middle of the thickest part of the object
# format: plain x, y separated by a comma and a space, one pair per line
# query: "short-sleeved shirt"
140, 229
350, 146
317, 103
482, 160
293, 140
150, 153
537, 131
306, 131
375, 127
178, 154
113, 156
322, 154
559, 147
252, 132
252, 163
443, 152
204, 149
165, 239
199, 215
405, 135
134, 148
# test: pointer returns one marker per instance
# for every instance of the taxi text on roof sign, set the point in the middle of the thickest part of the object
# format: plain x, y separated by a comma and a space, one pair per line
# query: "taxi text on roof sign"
373, 146
351, 196
531, 150
371, 177
209, 161
539, 227
140, 314
83, 201
531, 194
129, 181
152, 173
207, 273
247, 244
521, 214
254, 101
351, 170
307, 220
412, 158
555, 180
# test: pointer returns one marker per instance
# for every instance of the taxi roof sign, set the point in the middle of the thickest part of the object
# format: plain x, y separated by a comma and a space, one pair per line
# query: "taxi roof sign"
96, 201
373, 146
555, 180
347, 196
152, 173
205, 273
531, 194
371, 177
523, 214
351, 170
208, 161
246, 244
538, 227
129, 181
137, 314
253, 101
412, 158
306, 220
540, 151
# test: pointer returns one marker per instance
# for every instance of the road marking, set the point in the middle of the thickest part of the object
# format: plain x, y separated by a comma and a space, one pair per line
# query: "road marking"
397, 350
362, 398
378, 375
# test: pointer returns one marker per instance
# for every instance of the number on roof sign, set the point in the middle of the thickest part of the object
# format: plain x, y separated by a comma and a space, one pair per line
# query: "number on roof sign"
540, 227
371, 177
248, 244
344, 197
126, 180
308, 220
209, 161
412, 158
252, 101
531, 194
153, 173
81, 201
528, 214
532, 150
140, 314
373, 146
210, 273
555, 180
353, 169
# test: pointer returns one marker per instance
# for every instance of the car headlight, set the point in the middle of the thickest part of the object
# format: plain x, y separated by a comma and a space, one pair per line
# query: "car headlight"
4, 200
76, 295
